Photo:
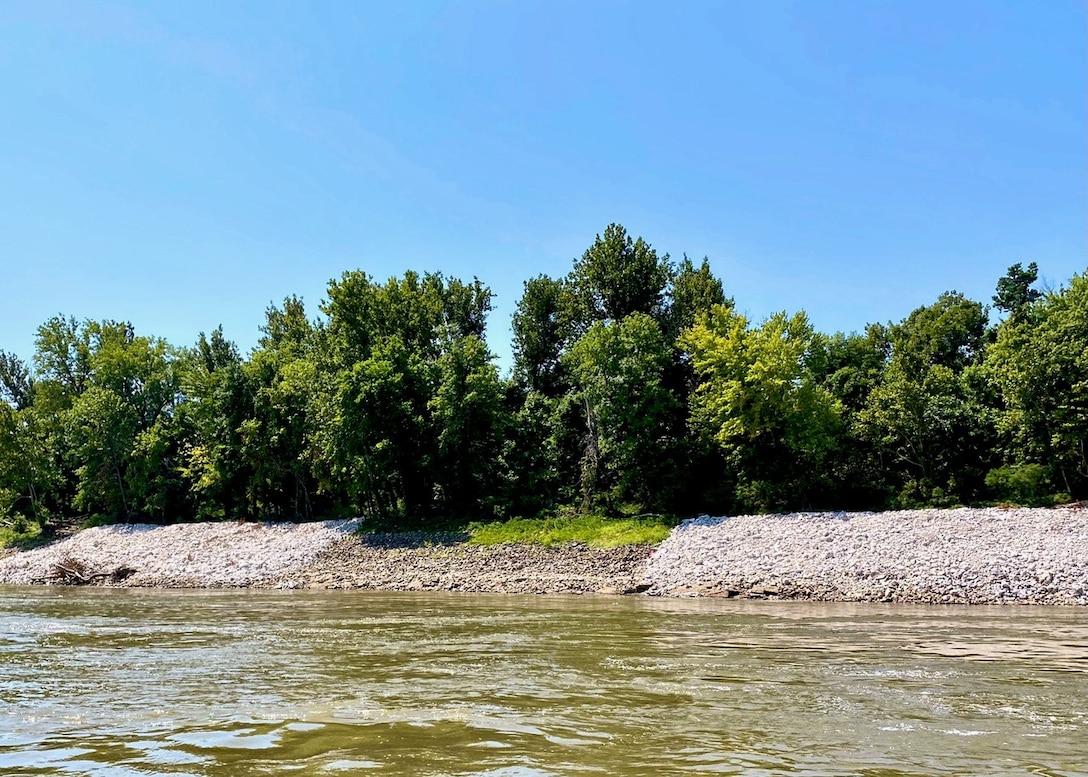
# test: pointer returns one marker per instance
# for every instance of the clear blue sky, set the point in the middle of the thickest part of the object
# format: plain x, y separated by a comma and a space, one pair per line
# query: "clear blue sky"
184, 164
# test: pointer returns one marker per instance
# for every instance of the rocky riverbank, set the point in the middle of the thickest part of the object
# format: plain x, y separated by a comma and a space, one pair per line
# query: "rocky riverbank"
976, 556
415, 562
319, 555
184, 555
963, 556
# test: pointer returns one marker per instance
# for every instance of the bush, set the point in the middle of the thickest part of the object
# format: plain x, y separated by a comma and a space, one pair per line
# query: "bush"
1019, 483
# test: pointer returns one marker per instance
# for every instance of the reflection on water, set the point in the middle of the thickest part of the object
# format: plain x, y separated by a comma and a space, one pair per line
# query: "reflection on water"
120, 683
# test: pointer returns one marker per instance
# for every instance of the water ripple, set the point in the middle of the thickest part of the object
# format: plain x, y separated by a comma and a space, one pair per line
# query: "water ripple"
125, 683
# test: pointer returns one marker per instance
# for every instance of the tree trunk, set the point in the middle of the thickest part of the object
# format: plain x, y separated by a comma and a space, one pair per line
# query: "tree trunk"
590, 460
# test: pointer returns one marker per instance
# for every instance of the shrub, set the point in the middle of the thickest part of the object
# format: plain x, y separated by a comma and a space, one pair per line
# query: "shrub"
1019, 483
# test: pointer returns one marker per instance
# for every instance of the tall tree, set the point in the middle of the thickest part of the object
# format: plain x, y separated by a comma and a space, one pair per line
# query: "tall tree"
850, 367
616, 277
694, 291
541, 329
62, 361
927, 414
16, 385
278, 438
221, 399
30, 474
398, 353
629, 413
1014, 292
103, 428
472, 421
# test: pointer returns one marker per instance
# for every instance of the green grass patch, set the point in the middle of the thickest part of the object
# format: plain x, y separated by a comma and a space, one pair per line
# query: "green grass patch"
593, 530
22, 538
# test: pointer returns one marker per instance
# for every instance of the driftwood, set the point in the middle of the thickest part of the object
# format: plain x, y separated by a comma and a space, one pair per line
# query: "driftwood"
72, 571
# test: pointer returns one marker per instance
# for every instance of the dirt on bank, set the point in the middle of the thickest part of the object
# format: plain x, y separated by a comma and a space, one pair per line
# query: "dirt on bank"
418, 562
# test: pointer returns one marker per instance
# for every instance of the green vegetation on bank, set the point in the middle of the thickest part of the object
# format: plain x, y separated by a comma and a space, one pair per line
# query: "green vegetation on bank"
597, 531
21, 536
637, 387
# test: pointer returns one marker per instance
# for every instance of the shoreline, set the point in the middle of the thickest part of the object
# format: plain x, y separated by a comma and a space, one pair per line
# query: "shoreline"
960, 556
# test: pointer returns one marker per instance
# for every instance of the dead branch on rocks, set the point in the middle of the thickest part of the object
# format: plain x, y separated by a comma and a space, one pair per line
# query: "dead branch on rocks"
72, 571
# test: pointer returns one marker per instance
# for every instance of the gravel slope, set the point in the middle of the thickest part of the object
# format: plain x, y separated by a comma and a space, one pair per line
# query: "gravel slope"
187, 555
964, 556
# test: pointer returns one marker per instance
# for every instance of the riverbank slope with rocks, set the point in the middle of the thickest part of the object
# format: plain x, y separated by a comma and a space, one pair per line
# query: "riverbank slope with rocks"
961, 556
977, 556
183, 555
319, 555
418, 562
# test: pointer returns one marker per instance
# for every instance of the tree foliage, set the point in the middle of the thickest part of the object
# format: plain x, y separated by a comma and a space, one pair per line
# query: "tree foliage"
1039, 365
926, 415
616, 277
636, 385
410, 426
619, 371
759, 401
542, 328
1014, 292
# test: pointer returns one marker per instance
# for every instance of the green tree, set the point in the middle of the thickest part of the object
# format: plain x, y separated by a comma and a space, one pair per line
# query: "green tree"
62, 362
629, 413
541, 329
616, 277
850, 367
1014, 292
540, 453
951, 332
155, 474
928, 415
278, 436
757, 399
30, 475
399, 354
1039, 364
102, 427
16, 385
137, 369
97, 387
694, 291
220, 400
129, 386
468, 411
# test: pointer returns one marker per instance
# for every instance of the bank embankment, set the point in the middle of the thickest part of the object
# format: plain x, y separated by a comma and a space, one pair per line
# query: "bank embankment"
185, 555
320, 555
415, 562
962, 556
973, 556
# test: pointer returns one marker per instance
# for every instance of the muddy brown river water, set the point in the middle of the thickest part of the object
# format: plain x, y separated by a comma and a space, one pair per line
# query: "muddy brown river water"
132, 683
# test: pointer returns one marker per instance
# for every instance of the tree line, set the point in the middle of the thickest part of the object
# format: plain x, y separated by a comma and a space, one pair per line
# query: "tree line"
637, 386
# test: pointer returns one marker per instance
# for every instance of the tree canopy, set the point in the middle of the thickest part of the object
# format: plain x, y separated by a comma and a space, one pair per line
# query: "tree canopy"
637, 385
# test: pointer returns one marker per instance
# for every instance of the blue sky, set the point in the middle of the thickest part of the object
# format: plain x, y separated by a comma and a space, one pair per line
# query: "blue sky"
182, 165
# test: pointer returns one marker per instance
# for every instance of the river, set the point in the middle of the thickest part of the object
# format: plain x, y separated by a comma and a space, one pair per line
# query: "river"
132, 683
